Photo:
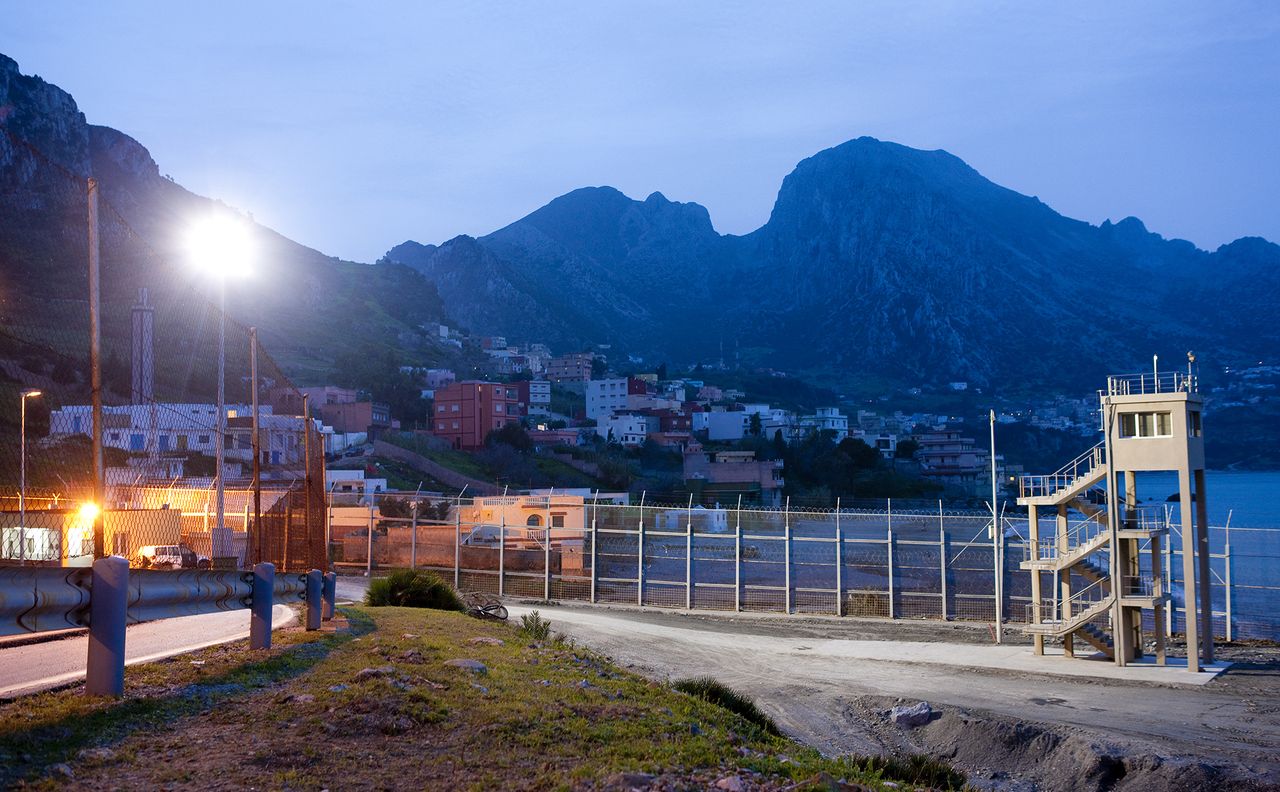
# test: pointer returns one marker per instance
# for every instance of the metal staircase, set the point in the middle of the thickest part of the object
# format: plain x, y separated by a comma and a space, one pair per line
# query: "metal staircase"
1078, 552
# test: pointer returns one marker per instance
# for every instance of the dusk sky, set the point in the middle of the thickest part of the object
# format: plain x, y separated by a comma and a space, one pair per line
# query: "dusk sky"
351, 130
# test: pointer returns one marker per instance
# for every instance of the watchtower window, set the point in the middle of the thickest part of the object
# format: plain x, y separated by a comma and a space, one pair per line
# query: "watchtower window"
1193, 423
1146, 424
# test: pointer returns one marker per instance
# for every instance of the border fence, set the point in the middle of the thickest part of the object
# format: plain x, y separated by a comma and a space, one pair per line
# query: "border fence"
886, 563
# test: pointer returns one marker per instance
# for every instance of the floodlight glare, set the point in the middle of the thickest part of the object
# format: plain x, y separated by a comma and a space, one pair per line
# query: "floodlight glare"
220, 245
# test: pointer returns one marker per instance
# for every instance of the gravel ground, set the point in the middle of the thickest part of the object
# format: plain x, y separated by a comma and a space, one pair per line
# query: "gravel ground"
1013, 731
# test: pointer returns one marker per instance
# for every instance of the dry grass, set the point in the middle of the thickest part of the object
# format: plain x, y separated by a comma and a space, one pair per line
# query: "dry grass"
545, 715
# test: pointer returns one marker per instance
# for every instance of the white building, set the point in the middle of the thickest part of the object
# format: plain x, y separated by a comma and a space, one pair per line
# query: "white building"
827, 419
629, 430
352, 481
605, 397
135, 427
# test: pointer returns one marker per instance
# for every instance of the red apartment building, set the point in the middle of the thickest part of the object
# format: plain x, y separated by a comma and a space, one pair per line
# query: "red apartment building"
466, 412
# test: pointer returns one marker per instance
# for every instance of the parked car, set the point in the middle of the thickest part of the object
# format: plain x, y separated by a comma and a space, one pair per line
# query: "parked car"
177, 556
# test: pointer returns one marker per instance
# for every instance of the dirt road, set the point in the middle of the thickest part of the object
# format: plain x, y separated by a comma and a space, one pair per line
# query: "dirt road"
829, 683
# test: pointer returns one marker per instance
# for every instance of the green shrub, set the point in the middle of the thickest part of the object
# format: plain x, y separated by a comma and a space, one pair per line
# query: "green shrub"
917, 770
535, 627
726, 697
413, 588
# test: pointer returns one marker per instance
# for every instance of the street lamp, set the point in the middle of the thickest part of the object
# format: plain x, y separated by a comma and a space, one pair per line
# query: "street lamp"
219, 246
30, 393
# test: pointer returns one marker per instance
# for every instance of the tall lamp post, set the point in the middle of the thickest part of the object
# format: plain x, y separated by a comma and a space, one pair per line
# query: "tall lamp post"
22, 481
219, 247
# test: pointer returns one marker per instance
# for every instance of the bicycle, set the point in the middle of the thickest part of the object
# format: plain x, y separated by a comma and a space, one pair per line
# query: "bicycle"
483, 605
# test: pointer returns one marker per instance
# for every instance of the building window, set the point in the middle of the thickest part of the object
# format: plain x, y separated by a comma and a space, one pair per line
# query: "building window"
557, 521
440, 426
1146, 424
1193, 423
455, 424
204, 439
534, 521
453, 408
497, 408
135, 442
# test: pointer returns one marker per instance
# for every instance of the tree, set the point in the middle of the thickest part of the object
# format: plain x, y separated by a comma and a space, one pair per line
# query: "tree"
756, 426
906, 449
511, 434
598, 368
662, 371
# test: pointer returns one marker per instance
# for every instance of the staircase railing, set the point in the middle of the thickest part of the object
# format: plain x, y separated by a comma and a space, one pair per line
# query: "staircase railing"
1063, 478
1080, 606
1079, 534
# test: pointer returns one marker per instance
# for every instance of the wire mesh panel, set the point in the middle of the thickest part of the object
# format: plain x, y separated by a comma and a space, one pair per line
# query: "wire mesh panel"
917, 578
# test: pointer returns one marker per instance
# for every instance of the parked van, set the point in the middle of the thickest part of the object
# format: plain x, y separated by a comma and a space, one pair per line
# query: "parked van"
171, 557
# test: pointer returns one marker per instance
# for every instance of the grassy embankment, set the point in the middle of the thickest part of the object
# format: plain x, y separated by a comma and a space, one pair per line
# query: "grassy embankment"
373, 704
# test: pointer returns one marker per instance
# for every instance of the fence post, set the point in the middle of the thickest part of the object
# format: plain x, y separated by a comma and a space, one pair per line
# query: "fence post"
108, 615
330, 595
368, 567
546, 553
839, 563
942, 558
640, 557
315, 592
595, 536
1226, 563
889, 548
457, 546
737, 560
786, 549
688, 557
502, 550
1168, 573
264, 584
413, 536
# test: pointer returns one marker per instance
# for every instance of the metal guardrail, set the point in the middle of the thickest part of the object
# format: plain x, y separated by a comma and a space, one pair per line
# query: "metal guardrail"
110, 596
40, 599
1142, 384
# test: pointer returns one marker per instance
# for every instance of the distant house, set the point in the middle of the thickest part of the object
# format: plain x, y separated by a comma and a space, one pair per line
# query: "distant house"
534, 396
370, 417
948, 457
575, 367
826, 419
466, 412
725, 475
605, 397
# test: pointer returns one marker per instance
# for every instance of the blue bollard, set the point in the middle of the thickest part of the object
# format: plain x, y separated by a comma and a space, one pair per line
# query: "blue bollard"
330, 595
264, 583
315, 587
108, 617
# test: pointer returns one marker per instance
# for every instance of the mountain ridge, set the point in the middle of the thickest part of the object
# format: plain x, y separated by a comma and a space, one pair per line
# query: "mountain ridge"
876, 256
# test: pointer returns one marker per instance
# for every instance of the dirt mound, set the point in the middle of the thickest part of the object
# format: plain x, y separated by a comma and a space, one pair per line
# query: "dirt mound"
1012, 755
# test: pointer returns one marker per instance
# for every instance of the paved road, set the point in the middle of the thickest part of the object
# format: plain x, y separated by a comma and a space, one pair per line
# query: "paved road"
812, 685
32, 667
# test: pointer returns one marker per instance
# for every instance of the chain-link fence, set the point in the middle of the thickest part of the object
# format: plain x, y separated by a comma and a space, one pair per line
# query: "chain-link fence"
158, 473
865, 562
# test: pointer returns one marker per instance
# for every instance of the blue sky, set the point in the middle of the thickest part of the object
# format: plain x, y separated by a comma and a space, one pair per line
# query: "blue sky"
351, 127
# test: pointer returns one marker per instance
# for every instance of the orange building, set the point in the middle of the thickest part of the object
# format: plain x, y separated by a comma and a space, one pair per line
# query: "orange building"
466, 412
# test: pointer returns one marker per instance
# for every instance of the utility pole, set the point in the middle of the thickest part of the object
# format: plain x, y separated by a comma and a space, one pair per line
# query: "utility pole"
256, 544
95, 374
306, 469
997, 540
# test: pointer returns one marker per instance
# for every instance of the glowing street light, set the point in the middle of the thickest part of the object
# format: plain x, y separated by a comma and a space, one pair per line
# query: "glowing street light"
219, 246
30, 393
